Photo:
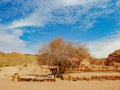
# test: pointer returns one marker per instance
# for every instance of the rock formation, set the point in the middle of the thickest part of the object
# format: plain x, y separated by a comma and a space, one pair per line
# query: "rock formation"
113, 58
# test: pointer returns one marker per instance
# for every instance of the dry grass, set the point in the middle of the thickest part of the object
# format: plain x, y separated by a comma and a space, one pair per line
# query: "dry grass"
14, 59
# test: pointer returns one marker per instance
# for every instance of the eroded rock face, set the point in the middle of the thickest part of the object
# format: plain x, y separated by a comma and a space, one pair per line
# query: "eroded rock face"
79, 61
113, 57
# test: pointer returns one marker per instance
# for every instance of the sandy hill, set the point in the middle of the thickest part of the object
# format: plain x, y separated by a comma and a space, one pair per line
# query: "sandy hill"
16, 58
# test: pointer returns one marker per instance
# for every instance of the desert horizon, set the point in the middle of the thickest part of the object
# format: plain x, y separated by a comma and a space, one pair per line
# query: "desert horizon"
50, 70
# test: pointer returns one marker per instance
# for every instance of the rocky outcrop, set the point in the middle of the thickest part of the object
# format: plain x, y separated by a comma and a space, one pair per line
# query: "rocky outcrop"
113, 57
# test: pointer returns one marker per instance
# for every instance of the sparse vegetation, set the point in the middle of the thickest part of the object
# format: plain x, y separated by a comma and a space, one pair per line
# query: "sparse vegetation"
59, 51
13, 59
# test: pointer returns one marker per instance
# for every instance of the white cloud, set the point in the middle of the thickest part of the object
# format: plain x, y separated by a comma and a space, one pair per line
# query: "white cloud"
102, 48
75, 2
10, 40
82, 2
43, 13
66, 12
118, 3
35, 19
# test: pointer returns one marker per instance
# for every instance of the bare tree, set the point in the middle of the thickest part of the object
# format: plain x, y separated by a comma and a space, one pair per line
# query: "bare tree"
59, 51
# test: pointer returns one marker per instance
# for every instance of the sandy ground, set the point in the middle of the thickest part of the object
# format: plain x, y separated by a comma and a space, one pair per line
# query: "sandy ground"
7, 84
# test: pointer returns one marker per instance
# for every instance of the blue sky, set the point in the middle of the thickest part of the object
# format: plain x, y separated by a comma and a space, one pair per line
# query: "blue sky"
27, 24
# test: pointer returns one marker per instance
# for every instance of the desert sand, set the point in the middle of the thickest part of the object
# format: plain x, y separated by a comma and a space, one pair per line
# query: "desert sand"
7, 84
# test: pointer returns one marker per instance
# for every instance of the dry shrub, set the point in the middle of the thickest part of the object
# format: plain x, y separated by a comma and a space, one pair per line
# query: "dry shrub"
58, 51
